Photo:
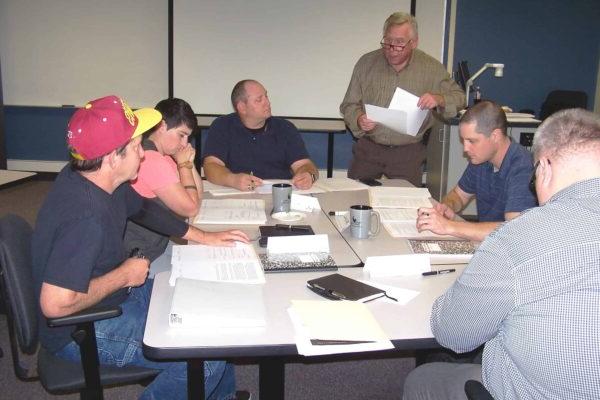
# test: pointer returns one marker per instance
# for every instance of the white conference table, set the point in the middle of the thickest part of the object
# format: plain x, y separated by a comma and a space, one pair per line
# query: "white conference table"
406, 325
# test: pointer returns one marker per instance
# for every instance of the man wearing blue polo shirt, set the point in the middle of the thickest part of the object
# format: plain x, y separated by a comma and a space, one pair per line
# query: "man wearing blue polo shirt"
497, 176
250, 145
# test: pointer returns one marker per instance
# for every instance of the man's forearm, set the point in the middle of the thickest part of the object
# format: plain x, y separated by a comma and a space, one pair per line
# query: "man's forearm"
58, 302
218, 174
453, 201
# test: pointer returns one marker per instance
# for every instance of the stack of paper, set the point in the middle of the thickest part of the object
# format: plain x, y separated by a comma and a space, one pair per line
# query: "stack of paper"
403, 115
340, 184
399, 197
222, 264
232, 211
208, 305
330, 327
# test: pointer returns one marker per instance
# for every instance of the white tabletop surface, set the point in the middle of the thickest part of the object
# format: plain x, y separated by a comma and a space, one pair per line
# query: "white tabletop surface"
406, 325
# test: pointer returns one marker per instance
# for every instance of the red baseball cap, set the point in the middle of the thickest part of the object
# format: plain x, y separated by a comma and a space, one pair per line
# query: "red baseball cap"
106, 124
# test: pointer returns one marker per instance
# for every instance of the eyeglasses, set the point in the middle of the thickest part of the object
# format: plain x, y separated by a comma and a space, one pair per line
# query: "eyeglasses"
533, 178
396, 47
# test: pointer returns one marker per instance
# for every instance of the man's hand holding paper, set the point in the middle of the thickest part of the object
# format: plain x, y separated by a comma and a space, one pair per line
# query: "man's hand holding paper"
404, 114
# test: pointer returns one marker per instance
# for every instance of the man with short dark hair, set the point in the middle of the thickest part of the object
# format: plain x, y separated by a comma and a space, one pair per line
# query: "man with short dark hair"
398, 63
250, 145
79, 259
497, 176
531, 293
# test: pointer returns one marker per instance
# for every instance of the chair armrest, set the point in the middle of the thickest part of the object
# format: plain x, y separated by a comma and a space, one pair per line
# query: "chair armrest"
88, 315
476, 391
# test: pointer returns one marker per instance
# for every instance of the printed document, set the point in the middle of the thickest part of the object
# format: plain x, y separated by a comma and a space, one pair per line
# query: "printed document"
211, 263
403, 114
232, 211
399, 197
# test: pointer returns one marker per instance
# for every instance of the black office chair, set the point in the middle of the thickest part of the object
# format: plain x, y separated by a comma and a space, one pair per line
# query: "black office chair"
562, 99
57, 376
476, 391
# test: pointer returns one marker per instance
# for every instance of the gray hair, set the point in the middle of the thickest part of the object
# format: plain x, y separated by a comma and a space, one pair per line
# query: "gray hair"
487, 115
567, 132
239, 92
399, 18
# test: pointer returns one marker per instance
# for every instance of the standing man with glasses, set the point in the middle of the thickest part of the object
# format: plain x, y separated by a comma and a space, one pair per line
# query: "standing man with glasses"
531, 293
376, 76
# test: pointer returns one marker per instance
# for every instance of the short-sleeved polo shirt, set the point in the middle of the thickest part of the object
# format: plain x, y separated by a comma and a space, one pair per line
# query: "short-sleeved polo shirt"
502, 191
267, 154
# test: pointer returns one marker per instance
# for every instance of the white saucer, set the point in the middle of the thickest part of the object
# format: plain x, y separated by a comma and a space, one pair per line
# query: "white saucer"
290, 216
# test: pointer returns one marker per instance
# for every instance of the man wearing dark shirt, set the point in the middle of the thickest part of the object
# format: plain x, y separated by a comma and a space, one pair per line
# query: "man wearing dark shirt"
250, 145
78, 254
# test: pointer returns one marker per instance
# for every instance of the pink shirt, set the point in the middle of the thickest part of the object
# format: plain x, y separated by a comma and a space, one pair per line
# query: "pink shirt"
156, 172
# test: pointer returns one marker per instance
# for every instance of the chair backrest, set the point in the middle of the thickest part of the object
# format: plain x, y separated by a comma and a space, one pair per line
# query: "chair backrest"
562, 99
18, 287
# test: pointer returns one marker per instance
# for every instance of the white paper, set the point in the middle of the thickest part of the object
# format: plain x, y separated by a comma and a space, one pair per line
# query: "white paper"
399, 197
304, 203
339, 184
398, 265
393, 119
397, 214
335, 320
232, 211
208, 305
407, 102
210, 263
404, 296
298, 244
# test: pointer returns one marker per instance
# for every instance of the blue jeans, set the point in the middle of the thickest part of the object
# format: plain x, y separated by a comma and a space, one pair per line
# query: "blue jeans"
120, 343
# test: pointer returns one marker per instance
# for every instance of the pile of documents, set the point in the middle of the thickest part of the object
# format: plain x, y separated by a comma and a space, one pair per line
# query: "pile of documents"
331, 327
216, 287
397, 207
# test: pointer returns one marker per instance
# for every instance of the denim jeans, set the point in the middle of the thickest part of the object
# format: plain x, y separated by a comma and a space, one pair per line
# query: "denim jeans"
120, 343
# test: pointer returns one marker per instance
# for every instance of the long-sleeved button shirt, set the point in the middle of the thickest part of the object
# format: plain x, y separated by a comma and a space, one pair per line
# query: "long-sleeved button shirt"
374, 81
532, 294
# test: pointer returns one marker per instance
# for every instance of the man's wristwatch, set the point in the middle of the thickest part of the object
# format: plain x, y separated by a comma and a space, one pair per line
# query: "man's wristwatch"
313, 177
186, 164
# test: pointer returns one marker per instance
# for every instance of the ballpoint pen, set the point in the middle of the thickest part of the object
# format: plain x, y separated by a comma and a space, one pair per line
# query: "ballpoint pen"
251, 186
293, 227
329, 342
333, 213
438, 272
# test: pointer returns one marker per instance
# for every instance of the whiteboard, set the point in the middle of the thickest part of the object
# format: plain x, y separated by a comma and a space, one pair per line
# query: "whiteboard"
302, 51
71, 51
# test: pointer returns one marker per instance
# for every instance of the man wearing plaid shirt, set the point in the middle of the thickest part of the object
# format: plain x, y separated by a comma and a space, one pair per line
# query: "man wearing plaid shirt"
531, 293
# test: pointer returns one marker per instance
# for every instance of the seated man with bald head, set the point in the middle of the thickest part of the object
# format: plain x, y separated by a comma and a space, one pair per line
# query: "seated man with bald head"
250, 145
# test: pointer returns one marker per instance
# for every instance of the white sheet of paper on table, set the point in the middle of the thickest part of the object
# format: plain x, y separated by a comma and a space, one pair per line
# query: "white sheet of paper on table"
397, 265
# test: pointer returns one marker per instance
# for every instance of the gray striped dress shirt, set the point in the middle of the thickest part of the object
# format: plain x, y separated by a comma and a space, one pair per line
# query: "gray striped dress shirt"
532, 294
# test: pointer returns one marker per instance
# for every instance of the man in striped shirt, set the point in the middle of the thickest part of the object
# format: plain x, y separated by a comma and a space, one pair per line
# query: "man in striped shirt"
531, 293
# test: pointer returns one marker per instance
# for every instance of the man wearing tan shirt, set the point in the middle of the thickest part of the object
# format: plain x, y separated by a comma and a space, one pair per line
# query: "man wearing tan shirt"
398, 63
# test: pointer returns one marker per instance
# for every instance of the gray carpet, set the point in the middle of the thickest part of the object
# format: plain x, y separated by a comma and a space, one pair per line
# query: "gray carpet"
347, 380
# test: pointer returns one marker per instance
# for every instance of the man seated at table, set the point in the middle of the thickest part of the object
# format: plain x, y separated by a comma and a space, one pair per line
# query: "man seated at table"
531, 293
497, 176
250, 145
79, 259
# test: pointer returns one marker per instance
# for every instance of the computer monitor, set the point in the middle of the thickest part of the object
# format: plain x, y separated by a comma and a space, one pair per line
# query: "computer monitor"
462, 74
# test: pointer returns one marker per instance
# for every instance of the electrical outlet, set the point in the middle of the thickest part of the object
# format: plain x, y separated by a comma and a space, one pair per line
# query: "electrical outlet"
526, 139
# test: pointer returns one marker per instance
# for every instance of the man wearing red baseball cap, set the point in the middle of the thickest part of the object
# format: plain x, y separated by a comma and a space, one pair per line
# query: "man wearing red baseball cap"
78, 255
